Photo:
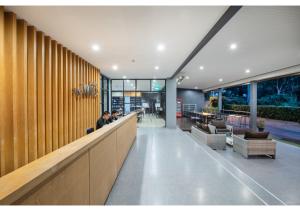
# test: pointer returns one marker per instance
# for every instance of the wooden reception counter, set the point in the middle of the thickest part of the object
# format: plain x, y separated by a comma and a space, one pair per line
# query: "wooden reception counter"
82, 172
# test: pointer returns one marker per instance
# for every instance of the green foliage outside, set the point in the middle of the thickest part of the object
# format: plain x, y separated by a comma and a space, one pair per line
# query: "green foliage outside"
271, 112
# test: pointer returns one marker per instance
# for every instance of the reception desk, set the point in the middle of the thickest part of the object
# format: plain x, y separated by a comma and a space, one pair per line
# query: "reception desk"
82, 172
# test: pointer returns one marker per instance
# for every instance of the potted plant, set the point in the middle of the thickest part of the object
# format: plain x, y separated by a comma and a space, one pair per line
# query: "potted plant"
261, 125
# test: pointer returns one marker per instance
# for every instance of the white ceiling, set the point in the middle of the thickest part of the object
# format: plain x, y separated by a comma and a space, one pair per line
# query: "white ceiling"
126, 33
268, 39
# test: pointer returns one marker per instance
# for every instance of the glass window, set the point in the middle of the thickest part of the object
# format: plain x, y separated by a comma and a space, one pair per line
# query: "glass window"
117, 85
143, 85
129, 102
158, 85
117, 101
129, 85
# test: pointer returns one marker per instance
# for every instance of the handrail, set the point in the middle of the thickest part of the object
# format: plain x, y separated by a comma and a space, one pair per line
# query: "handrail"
19, 182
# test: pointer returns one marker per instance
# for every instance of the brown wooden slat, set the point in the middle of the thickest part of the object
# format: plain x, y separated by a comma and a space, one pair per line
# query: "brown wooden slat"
48, 95
77, 98
60, 71
54, 95
41, 93
20, 97
7, 139
88, 98
81, 98
2, 88
74, 105
32, 93
66, 97
69, 93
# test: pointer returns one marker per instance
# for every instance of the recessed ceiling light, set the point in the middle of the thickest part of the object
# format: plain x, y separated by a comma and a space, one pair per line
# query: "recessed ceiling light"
124, 77
161, 47
247, 71
115, 67
233, 46
201, 68
187, 77
95, 47
220, 79
196, 87
156, 67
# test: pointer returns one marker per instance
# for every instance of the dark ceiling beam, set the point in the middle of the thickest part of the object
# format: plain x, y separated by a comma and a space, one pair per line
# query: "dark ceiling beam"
230, 12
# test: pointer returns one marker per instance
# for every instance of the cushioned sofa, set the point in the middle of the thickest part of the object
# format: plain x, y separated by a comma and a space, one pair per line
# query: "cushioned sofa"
254, 145
214, 141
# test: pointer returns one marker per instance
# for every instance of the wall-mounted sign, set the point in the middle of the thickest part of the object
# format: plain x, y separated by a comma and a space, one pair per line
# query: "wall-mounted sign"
86, 90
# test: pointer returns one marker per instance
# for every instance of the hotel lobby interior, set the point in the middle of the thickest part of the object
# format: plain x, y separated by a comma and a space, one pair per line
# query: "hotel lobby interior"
149, 105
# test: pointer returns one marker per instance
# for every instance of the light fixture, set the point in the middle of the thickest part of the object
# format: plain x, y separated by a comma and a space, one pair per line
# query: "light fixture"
247, 71
220, 79
187, 77
115, 67
124, 77
156, 67
178, 83
201, 67
233, 46
161, 47
196, 87
95, 47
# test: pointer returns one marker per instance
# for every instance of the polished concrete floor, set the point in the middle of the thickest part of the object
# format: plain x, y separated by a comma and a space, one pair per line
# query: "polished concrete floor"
280, 176
169, 167
151, 120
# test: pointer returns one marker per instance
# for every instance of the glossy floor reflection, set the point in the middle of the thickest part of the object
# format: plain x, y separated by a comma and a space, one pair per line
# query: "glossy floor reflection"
167, 166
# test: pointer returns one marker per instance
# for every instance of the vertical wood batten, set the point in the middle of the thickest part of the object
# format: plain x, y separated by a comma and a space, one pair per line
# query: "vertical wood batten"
2, 88
20, 97
32, 93
7, 133
6, 73
70, 84
66, 97
48, 95
74, 106
41, 93
77, 99
54, 95
81, 100
60, 96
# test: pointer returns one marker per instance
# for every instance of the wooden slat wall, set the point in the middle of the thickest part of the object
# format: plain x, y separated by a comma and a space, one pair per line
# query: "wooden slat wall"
39, 111
60, 96
48, 96
2, 88
54, 95
20, 97
32, 93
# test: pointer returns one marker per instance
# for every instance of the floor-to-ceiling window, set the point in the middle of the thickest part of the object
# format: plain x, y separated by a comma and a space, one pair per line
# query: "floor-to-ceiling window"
144, 94
105, 87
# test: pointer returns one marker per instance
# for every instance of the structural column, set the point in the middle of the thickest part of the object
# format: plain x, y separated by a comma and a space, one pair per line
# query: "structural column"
220, 99
253, 105
171, 103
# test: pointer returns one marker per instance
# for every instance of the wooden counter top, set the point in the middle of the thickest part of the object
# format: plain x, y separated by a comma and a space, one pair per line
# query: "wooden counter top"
16, 184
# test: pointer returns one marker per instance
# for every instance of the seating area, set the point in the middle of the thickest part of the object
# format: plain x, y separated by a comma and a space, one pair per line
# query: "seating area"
217, 134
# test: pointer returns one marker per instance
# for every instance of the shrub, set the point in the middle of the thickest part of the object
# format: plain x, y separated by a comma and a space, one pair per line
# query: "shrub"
271, 112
